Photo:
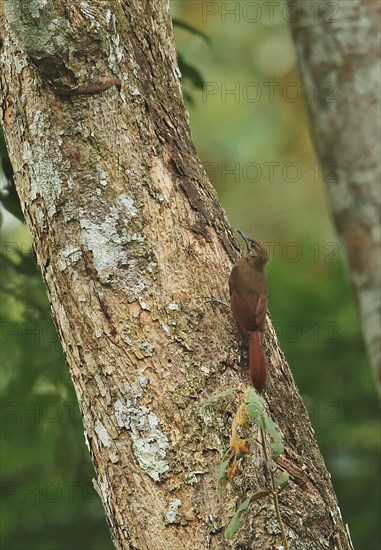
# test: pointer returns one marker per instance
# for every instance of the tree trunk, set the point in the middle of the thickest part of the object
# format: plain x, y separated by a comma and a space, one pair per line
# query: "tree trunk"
338, 49
131, 240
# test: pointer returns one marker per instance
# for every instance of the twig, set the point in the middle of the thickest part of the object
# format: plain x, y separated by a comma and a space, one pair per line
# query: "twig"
274, 493
217, 301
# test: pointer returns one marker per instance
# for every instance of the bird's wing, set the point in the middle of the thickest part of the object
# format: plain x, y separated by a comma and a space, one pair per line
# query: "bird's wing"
260, 312
244, 309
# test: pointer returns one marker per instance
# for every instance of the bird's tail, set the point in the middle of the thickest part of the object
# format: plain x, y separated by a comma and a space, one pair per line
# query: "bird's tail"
257, 361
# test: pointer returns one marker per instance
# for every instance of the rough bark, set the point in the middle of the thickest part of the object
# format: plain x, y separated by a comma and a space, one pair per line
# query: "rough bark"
131, 239
338, 49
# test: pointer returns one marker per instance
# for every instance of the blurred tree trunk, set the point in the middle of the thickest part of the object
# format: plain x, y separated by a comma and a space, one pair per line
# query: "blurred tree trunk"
338, 50
130, 239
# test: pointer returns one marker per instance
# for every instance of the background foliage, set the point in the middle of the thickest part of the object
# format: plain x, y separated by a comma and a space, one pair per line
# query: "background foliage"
247, 140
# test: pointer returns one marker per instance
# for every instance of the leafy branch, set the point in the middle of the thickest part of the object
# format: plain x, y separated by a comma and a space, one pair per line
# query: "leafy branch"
235, 522
249, 413
189, 72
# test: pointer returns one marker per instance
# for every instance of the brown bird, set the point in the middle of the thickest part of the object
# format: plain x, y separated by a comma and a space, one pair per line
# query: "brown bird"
248, 299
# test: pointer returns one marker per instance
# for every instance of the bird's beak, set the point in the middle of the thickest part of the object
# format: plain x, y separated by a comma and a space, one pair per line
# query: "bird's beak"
250, 243
245, 237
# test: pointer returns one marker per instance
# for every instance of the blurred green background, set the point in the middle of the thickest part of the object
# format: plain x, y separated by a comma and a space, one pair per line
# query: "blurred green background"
250, 127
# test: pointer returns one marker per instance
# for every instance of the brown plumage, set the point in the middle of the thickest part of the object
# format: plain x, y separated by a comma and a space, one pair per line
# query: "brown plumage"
248, 299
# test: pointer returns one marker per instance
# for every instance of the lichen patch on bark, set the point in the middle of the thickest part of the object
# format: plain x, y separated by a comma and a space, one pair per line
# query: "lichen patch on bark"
149, 443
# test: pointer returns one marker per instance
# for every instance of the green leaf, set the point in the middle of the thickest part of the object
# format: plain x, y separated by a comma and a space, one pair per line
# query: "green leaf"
188, 98
213, 398
190, 73
235, 522
255, 410
271, 464
282, 480
233, 527
182, 25
273, 430
221, 475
